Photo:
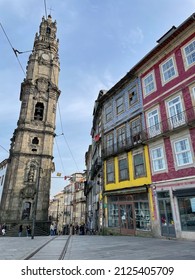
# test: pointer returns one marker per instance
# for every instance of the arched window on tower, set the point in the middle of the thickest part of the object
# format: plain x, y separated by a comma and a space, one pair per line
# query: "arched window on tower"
48, 30
39, 108
35, 141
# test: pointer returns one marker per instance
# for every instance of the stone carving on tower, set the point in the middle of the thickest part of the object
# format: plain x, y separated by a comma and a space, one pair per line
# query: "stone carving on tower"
31, 152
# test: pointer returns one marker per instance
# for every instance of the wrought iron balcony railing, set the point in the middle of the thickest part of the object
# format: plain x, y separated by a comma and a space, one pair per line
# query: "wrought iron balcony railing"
167, 126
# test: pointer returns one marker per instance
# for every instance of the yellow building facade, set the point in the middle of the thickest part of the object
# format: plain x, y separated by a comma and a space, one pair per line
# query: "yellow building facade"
128, 203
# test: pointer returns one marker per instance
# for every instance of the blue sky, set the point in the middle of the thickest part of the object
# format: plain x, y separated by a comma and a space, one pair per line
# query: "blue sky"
100, 41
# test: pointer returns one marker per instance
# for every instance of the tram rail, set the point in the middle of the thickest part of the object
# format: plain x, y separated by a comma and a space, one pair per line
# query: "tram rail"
61, 254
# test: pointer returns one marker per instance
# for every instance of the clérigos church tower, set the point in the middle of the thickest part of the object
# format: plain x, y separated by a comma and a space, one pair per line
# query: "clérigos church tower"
28, 175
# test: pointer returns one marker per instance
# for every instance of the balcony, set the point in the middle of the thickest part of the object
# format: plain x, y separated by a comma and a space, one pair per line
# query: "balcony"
162, 129
170, 125
96, 167
123, 146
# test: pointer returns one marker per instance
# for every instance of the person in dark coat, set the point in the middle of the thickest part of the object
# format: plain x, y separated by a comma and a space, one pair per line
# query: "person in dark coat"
20, 230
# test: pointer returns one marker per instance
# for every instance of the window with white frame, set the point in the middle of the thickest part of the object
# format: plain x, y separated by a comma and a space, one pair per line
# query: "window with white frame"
149, 83
158, 159
183, 152
108, 113
193, 92
176, 113
153, 123
189, 52
168, 70
119, 105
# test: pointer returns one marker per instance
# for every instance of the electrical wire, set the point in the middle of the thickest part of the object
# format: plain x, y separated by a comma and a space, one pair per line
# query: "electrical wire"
59, 155
58, 106
14, 50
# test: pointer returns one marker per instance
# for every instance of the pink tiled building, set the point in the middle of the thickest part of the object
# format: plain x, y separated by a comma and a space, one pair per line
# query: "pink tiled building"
168, 85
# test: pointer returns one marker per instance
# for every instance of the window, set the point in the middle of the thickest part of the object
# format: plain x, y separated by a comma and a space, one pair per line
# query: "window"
158, 160
187, 212
168, 70
193, 92
183, 152
176, 113
48, 30
139, 166
189, 51
110, 171
133, 96
121, 137
39, 108
153, 123
135, 127
109, 142
108, 113
149, 83
113, 212
119, 105
35, 141
142, 214
123, 168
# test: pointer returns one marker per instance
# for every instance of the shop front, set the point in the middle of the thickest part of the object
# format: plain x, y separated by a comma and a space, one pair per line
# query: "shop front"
129, 213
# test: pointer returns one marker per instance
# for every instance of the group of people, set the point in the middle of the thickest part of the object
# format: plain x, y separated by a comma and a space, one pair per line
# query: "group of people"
28, 230
20, 230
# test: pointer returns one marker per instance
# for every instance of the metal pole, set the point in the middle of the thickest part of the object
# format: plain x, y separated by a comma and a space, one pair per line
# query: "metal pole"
35, 204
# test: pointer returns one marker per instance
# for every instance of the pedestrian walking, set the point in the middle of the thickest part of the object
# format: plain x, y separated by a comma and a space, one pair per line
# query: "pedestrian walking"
28, 231
3, 229
52, 229
20, 230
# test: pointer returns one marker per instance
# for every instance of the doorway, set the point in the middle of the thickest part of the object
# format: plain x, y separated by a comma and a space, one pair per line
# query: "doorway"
126, 219
166, 216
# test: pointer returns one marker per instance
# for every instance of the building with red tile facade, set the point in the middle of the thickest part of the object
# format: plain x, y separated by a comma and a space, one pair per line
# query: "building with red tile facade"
168, 85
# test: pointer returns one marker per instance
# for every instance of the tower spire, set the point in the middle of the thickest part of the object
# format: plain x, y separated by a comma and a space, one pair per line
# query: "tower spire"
31, 151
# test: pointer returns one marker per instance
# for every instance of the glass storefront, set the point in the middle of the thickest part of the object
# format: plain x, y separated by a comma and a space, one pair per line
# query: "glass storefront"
130, 211
187, 212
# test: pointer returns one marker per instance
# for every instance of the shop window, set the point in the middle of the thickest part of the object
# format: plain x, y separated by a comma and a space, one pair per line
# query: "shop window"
113, 216
142, 214
187, 212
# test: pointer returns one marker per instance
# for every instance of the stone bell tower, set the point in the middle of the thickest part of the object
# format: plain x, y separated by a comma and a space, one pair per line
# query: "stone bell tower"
28, 175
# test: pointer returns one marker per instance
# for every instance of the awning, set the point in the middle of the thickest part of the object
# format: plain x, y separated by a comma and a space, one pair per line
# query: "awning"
127, 191
184, 192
